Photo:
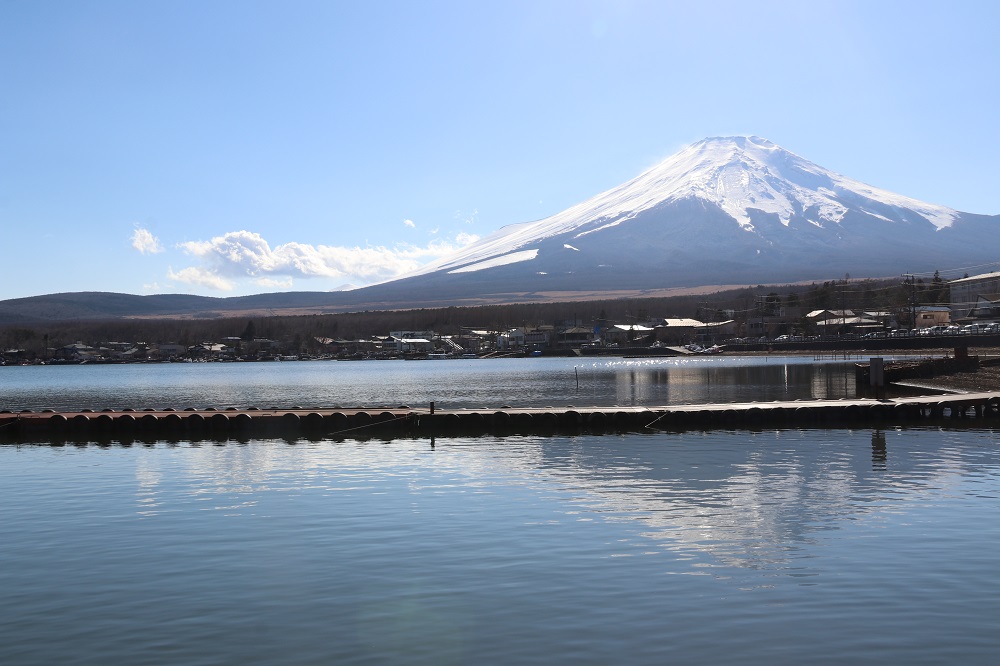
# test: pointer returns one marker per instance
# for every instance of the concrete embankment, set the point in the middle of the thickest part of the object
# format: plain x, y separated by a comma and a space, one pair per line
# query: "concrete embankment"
899, 371
152, 425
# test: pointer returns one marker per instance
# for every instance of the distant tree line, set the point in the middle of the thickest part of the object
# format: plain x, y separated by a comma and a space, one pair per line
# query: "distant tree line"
298, 333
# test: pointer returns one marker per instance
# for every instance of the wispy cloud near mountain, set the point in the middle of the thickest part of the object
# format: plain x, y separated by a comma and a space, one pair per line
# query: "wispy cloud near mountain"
224, 260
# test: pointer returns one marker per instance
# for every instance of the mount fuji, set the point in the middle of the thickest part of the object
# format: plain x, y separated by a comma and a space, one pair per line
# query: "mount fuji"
722, 211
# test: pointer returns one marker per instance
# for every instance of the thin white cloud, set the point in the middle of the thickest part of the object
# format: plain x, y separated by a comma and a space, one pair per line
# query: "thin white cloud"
201, 277
145, 242
410, 223
467, 219
245, 254
272, 283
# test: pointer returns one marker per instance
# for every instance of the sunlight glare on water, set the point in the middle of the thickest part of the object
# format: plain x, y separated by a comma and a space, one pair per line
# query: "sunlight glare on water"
450, 384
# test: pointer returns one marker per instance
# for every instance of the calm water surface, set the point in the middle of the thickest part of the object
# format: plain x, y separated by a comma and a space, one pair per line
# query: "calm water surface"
451, 384
801, 546
793, 546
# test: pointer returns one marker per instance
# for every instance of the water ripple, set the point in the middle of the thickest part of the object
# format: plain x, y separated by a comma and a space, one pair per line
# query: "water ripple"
789, 546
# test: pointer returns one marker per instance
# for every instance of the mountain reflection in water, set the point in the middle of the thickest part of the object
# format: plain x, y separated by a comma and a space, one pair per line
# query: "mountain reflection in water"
846, 546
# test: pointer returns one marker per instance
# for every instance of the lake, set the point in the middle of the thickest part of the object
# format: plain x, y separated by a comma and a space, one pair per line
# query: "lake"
535, 382
726, 547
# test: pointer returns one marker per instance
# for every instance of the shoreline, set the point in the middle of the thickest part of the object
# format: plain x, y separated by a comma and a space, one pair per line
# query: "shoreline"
985, 378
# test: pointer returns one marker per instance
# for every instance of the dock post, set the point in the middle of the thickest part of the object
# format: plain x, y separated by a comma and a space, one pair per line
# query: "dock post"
430, 422
876, 375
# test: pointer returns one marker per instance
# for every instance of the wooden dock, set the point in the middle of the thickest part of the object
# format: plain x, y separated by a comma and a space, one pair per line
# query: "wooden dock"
404, 421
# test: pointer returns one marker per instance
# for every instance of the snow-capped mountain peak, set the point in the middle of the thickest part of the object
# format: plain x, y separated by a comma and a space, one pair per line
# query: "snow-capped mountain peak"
740, 174
746, 177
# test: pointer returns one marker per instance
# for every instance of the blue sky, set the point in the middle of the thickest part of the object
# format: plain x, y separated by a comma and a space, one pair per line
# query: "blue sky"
226, 148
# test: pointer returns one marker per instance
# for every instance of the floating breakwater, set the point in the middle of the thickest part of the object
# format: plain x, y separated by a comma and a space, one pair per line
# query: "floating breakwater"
427, 422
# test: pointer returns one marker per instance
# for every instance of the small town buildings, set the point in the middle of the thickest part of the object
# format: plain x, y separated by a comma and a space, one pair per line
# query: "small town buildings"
538, 338
511, 339
520, 338
574, 336
987, 309
623, 334
470, 342
166, 352
368, 347
260, 346
413, 335
780, 320
931, 315
330, 345
715, 331
411, 345
677, 330
966, 293
210, 351
77, 351
824, 315
13, 355
585, 333
138, 352
836, 322
885, 318
855, 324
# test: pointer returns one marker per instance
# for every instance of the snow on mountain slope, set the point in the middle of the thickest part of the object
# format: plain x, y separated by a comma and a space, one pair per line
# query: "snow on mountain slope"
745, 177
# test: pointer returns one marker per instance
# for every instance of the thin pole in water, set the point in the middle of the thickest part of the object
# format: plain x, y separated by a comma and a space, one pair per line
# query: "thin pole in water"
577, 371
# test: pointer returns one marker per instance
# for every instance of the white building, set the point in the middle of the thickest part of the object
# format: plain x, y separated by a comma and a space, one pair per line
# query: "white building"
968, 293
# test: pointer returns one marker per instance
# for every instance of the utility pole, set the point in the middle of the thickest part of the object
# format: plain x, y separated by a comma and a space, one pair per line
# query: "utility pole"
843, 312
760, 307
913, 299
